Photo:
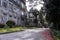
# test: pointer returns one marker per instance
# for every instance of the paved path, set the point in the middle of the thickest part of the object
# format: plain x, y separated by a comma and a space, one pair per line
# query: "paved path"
29, 34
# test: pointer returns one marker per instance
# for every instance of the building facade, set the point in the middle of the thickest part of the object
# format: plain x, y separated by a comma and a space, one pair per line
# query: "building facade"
12, 10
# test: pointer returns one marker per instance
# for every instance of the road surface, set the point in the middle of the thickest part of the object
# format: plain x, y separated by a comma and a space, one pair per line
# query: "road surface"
29, 34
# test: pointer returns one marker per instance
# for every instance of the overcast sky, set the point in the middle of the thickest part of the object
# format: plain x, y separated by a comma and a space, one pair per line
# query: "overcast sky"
35, 4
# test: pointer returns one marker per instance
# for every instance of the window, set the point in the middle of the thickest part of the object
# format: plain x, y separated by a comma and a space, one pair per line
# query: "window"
11, 6
0, 2
10, 15
15, 0
15, 17
14, 7
5, 4
4, 14
22, 18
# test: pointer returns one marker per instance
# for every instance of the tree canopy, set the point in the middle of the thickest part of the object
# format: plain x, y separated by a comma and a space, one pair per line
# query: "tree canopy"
53, 12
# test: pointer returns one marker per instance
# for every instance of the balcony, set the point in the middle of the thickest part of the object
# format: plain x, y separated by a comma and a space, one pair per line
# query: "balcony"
14, 2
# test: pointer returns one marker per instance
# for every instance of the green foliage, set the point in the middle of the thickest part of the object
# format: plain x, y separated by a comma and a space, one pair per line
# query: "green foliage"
55, 34
52, 8
42, 17
6, 30
6, 26
10, 23
35, 13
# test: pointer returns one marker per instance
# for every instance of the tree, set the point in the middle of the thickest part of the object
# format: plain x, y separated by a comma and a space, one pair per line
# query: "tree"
35, 13
10, 23
41, 17
53, 12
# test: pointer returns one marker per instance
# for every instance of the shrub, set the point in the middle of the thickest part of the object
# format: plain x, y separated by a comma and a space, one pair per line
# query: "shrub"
6, 26
10, 23
2, 25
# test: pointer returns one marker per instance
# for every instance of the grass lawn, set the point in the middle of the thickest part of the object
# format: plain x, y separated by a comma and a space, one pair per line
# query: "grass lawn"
56, 34
4, 30
14, 29
56, 38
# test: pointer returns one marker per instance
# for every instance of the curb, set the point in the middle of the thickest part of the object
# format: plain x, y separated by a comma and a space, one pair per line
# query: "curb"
11, 32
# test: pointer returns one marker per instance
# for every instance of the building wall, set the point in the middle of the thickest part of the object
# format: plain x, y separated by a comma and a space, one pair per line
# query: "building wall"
12, 10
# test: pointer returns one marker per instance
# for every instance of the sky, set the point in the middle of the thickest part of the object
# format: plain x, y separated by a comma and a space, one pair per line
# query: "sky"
37, 3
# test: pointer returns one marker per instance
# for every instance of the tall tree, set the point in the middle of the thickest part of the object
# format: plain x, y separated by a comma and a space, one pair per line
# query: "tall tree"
35, 13
42, 17
53, 12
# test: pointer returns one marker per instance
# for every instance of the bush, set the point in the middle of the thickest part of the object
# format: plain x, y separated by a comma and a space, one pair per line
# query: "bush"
2, 25
10, 23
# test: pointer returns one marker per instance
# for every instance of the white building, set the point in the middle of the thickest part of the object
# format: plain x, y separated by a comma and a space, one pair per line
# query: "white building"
12, 10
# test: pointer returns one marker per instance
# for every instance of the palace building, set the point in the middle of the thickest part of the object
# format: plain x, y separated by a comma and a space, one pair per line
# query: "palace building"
14, 10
